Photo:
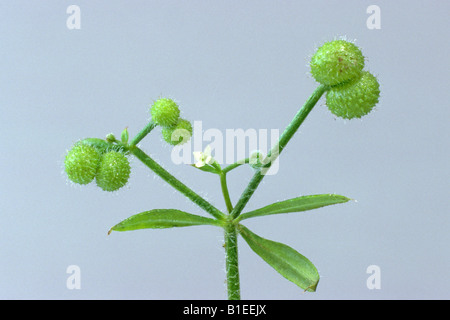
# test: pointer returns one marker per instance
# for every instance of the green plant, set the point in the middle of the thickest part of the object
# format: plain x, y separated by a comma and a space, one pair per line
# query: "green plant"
350, 91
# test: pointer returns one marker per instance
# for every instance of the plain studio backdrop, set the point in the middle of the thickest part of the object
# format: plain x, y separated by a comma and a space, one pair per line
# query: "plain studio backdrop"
72, 72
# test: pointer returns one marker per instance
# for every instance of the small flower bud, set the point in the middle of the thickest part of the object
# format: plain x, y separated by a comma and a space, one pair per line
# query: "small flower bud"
124, 136
256, 160
110, 137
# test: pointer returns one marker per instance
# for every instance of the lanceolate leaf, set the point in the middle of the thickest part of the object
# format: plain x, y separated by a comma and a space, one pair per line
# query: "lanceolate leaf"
162, 218
207, 168
102, 145
288, 262
296, 205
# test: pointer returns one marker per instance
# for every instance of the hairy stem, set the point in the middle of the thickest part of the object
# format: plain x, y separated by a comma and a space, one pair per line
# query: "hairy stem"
226, 194
232, 266
141, 135
231, 246
276, 150
177, 184
235, 165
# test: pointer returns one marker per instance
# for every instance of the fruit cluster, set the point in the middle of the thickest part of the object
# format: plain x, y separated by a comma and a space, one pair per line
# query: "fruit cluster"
353, 92
86, 162
166, 113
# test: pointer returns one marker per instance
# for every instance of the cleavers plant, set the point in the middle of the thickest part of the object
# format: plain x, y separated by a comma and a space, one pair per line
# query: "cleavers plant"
351, 92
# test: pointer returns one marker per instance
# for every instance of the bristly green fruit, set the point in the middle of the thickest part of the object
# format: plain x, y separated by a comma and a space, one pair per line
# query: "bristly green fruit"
165, 112
113, 172
354, 99
81, 163
336, 62
178, 134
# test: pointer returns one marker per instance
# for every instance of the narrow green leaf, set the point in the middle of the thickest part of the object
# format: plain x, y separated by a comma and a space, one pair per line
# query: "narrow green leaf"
124, 136
102, 145
162, 218
207, 168
296, 205
288, 262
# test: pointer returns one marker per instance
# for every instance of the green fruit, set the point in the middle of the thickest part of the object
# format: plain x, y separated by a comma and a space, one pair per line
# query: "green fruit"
165, 112
336, 62
354, 99
113, 172
81, 163
178, 134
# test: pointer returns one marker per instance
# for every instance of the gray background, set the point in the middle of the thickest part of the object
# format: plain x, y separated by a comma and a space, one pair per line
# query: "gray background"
230, 64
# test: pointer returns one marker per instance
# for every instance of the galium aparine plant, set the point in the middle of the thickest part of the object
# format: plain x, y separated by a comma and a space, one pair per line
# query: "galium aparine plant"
351, 92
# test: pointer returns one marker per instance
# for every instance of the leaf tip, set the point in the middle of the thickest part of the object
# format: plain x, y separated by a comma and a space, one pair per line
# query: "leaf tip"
312, 287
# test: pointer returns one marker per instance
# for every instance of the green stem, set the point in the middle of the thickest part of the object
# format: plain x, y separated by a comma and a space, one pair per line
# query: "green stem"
226, 194
235, 165
141, 135
232, 267
177, 184
231, 246
276, 150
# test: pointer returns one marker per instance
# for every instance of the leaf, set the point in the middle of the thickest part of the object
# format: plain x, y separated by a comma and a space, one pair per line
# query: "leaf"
162, 218
102, 145
207, 168
124, 136
288, 262
298, 204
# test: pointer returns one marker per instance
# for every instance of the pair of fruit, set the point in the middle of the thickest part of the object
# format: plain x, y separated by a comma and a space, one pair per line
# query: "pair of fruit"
337, 64
175, 130
353, 92
89, 159
84, 163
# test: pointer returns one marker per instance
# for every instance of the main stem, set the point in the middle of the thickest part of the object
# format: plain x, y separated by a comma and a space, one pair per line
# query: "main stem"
276, 150
231, 246
232, 266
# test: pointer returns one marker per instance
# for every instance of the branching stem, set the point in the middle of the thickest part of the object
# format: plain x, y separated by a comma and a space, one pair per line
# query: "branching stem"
277, 149
231, 233
177, 184
226, 194
141, 135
